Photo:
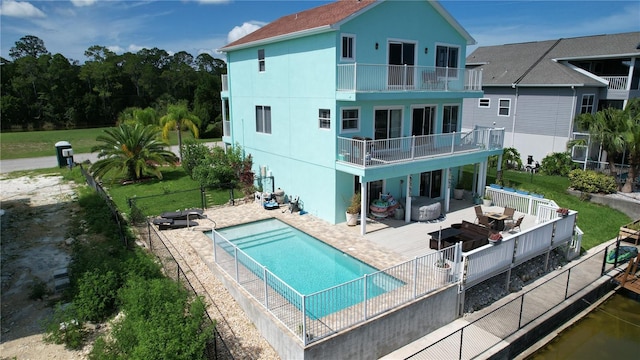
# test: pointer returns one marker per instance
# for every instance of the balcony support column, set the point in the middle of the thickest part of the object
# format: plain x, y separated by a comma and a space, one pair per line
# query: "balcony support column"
363, 207
447, 190
407, 210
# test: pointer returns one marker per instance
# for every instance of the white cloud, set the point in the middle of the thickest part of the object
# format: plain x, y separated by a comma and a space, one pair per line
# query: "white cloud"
115, 48
20, 9
80, 3
240, 31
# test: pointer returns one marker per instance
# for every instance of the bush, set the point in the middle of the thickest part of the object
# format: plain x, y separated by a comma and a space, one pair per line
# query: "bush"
592, 182
96, 298
64, 328
193, 153
558, 164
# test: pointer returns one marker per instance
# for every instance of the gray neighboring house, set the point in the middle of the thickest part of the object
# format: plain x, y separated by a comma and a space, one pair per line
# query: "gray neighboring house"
536, 89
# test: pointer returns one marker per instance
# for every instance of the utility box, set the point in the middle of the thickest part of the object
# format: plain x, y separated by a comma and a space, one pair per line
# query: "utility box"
61, 146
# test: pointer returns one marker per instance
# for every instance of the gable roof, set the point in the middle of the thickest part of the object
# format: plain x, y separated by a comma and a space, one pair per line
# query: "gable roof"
544, 63
323, 18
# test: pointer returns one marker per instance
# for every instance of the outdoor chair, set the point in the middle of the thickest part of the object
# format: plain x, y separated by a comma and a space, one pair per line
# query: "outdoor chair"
512, 225
484, 220
509, 212
478, 210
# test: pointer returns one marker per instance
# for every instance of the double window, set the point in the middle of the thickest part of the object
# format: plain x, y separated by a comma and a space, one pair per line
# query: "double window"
263, 119
350, 119
587, 104
347, 50
324, 118
447, 57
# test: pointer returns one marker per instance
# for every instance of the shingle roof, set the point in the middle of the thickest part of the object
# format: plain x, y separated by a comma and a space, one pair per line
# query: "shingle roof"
541, 63
325, 16
320, 16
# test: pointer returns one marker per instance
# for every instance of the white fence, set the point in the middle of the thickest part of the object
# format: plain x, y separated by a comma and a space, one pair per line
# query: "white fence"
342, 306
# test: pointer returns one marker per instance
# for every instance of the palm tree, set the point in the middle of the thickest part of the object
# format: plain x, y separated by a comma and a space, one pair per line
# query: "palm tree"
606, 127
132, 150
632, 140
179, 117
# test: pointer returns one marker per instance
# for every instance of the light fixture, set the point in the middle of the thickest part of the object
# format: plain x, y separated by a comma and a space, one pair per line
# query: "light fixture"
376, 46
426, 50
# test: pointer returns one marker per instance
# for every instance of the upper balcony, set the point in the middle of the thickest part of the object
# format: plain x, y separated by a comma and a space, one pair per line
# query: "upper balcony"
368, 78
367, 153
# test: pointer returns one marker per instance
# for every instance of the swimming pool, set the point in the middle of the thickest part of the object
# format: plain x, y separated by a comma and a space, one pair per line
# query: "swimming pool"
307, 264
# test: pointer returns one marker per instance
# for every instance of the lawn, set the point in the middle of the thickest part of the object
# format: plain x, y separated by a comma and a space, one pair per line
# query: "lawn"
599, 223
20, 145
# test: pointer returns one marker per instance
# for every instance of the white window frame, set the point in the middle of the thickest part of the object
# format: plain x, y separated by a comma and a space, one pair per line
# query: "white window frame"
592, 106
324, 119
487, 103
263, 125
352, 38
357, 119
262, 65
500, 107
459, 106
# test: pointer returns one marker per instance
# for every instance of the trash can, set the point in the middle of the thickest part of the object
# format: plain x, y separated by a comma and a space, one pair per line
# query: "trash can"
279, 193
62, 159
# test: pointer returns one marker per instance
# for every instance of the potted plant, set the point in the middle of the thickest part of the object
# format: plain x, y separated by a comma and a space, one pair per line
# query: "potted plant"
486, 200
495, 238
458, 192
563, 212
353, 210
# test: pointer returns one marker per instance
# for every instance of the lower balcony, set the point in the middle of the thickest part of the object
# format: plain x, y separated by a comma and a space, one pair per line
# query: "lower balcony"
368, 153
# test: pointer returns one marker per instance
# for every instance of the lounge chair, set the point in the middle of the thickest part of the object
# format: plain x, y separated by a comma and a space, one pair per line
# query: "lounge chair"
166, 223
484, 221
479, 211
184, 214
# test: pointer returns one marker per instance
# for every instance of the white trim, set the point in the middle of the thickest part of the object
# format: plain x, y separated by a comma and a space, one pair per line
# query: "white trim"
357, 129
488, 101
593, 105
353, 47
322, 118
500, 107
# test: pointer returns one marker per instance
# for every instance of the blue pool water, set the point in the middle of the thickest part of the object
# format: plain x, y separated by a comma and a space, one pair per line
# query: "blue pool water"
307, 264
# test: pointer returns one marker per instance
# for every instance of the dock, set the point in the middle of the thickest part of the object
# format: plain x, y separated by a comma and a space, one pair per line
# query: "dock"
629, 278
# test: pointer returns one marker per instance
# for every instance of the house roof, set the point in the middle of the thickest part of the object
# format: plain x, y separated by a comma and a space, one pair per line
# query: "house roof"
544, 63
322, 18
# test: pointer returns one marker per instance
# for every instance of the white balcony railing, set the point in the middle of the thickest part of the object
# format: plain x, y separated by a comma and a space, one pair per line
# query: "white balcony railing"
616, 82
377, 78
370, 153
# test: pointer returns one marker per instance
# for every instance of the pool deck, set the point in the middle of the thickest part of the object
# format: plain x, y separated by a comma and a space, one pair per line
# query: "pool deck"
388, 242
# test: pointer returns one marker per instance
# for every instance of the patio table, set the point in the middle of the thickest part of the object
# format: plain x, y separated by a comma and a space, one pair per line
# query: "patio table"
499, 218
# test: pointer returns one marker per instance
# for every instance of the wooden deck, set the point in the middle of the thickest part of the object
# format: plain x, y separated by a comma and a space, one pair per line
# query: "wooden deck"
629, 278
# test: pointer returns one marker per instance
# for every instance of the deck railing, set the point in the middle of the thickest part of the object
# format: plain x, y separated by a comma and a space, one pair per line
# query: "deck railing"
370, 153
329, 311
617, 82
389, 78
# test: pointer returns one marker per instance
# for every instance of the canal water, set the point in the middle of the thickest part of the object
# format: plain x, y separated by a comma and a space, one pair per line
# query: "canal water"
610, 331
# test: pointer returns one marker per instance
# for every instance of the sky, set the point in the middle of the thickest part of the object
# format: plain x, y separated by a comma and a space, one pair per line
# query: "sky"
70, 27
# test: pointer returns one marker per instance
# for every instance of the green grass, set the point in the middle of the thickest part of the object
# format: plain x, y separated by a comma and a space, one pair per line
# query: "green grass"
598, 222
20, 145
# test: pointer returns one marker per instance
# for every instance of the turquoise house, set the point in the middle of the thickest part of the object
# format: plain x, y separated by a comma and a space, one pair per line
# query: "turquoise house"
357, 96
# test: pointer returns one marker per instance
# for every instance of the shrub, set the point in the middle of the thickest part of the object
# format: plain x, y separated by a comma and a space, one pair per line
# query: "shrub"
193, 153
559, 163
96, 298
592, 182
64, 328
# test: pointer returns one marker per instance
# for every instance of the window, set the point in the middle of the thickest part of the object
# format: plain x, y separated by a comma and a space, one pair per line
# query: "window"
504, 107
324, 116
261, 64
450, 118
484, 103
350, 119
447, 57
348, 46
587, 104
263, 119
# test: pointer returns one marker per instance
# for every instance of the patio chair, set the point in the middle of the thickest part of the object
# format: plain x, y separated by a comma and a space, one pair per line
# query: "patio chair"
512, 225
478, 210
484, 220
509, 212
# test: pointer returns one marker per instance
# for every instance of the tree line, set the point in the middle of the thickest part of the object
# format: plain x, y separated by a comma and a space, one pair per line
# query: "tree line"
43, 91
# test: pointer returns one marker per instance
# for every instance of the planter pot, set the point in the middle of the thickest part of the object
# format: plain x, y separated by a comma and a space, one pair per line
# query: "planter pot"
458, 194
352, 219
441, 274
486, 202
494, 242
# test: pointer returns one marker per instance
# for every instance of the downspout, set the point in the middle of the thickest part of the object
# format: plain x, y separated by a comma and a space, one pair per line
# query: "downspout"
515, 113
